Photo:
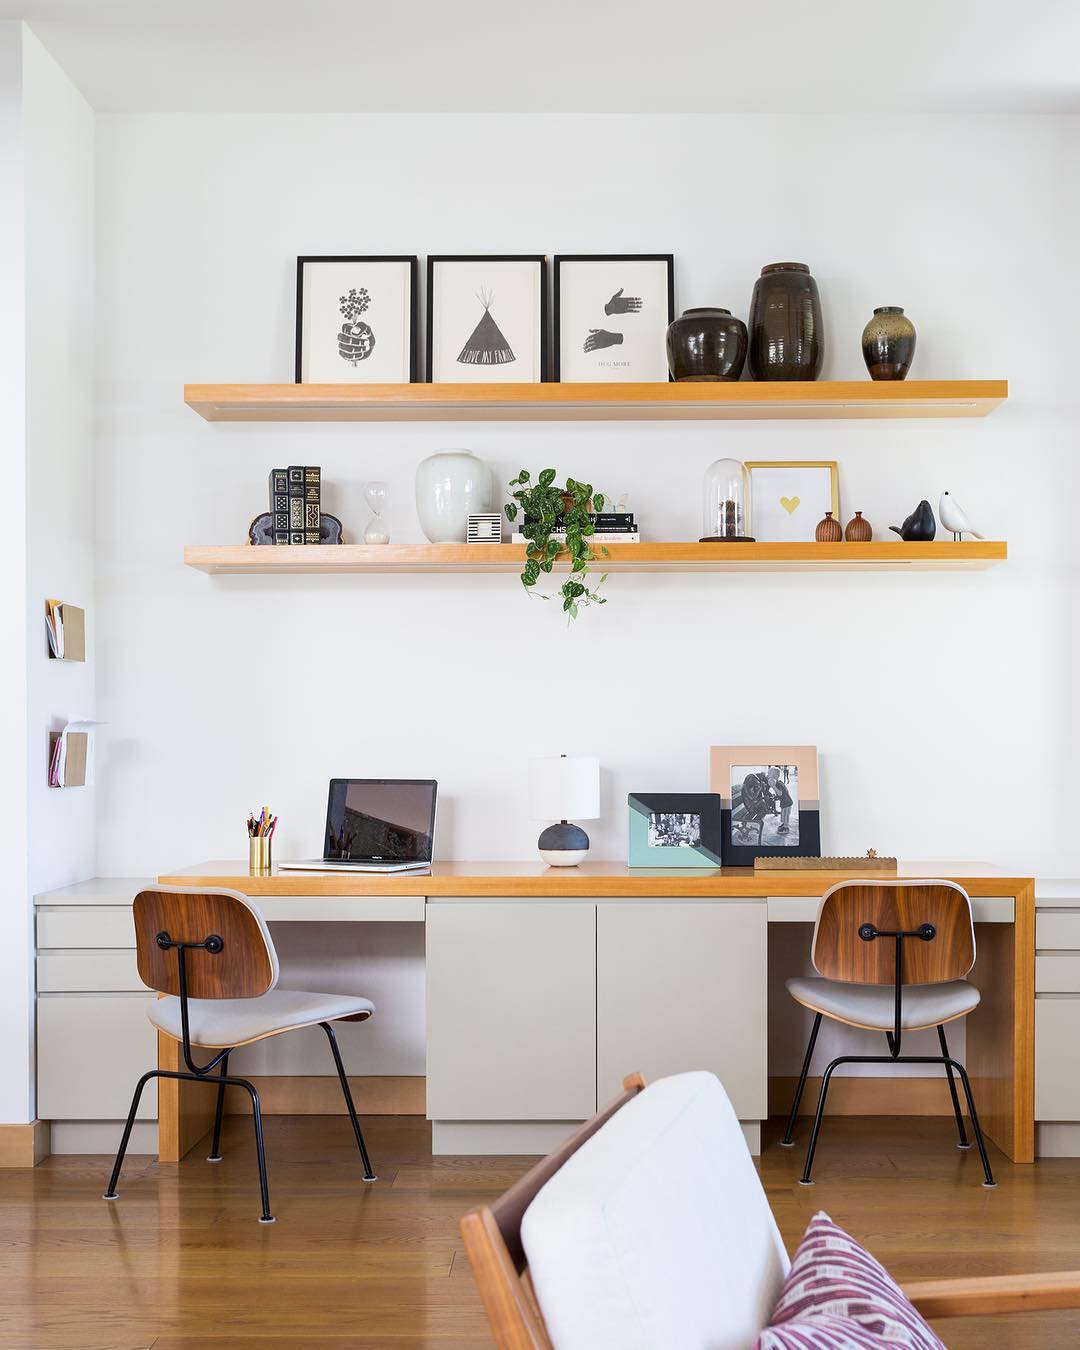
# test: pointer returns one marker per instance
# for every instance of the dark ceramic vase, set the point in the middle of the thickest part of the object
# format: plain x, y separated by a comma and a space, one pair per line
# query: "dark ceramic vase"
706, 344
787, 340
888, 343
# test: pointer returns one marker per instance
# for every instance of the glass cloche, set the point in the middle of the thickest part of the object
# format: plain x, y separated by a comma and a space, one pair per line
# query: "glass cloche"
727, 503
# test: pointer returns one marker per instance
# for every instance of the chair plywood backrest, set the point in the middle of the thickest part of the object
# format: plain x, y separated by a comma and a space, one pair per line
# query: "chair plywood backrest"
839, 953
245, 967
492, 1236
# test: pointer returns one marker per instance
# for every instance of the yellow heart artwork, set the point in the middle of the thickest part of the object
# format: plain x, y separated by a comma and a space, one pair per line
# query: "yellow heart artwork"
790, 504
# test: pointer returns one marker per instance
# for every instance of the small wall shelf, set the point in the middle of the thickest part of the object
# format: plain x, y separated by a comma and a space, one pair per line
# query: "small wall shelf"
593, 402
884, 556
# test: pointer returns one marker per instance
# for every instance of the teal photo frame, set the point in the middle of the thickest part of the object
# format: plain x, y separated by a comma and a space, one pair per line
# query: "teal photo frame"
675, 829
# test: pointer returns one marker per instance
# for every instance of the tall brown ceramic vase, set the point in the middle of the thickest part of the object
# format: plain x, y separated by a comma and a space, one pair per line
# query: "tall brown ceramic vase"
787, 340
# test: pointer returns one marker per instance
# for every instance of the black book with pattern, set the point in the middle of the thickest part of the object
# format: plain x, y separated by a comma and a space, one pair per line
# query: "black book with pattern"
312, 503
296, 503
279, 504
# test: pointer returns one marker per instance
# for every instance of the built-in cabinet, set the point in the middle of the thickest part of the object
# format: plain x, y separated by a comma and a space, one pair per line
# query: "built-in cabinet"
537, 1010
1057, 1017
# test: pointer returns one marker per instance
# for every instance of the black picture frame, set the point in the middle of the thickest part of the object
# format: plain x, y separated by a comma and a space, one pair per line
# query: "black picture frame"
707, 853
545, 325
560, 258
414, 297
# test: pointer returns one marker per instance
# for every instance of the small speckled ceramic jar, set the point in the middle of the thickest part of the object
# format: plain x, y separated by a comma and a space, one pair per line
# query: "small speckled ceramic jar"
888, 343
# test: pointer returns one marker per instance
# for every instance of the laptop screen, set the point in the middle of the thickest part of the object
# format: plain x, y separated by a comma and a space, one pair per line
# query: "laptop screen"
380, 820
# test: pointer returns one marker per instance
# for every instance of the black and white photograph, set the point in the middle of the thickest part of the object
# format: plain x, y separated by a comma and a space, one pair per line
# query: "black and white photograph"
765, 805
671, 829
487, 319
356, 320
611, 316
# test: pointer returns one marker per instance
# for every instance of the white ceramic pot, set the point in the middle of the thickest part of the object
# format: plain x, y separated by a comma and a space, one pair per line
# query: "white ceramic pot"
449, 486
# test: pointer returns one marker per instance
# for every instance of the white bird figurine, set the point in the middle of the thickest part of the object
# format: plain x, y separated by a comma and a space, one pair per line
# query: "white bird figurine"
951, 514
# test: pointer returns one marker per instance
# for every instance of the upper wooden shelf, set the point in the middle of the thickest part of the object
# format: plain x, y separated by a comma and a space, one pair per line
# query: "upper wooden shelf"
884, 556
593, 402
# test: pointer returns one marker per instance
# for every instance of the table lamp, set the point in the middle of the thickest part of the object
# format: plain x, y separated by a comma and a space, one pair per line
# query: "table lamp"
560, 788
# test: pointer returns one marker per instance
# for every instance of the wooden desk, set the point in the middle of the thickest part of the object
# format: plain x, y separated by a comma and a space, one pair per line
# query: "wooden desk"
1000, 1033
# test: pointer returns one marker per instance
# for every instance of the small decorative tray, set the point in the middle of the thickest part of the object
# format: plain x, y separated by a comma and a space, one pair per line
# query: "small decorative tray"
869, 863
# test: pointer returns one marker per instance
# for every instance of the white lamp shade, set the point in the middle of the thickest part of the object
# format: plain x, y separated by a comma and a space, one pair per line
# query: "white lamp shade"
564, 787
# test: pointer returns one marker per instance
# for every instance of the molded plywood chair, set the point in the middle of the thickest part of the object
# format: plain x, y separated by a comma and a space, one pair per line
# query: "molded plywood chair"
210, 952
650, 1230
892, 956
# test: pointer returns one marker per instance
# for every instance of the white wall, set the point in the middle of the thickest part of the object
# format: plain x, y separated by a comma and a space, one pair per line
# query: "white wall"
46, 544
942, 706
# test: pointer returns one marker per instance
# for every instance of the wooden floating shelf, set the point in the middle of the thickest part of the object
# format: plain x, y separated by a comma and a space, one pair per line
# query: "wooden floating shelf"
593, 402
886, 556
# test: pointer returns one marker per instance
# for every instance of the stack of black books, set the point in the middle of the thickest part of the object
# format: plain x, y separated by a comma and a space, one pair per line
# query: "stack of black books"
616, 527
295, 503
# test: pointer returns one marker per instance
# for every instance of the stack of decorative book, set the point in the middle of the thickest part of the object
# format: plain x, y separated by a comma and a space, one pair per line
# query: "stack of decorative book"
611, 527
295, 503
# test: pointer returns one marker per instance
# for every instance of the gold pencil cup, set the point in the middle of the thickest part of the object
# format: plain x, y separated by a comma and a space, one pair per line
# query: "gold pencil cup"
258, 856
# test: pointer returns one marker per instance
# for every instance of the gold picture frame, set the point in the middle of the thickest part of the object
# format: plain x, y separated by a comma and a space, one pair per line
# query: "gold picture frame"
786, 503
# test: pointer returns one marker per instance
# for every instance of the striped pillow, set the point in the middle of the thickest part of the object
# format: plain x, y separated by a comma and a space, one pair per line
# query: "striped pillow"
836, 1295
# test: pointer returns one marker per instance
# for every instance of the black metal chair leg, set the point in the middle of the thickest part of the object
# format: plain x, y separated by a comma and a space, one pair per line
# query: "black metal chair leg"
266, 1216
975, 1126
215, 1147
369, 1175
964, 1141
786, 1141
804, 1180
111, 1193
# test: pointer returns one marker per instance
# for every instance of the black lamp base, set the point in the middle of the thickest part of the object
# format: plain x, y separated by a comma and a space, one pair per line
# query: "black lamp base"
563, 845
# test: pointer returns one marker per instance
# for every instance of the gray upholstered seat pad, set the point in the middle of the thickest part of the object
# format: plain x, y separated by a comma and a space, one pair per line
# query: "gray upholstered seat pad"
872, 1005
233, 1021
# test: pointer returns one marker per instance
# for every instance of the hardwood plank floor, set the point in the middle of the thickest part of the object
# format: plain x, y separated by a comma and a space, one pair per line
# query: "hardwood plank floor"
179, 1263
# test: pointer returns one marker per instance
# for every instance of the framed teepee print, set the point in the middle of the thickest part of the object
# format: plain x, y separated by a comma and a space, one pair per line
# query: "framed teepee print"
356, 320
611, 316
487, 319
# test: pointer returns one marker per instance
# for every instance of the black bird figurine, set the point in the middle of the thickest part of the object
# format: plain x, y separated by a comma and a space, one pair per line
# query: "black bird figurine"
920, 527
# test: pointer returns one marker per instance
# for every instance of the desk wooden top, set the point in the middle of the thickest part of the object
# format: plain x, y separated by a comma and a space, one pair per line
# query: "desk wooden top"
536, 880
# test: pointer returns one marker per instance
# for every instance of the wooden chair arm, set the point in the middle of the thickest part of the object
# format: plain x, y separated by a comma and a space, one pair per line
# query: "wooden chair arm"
996, 1294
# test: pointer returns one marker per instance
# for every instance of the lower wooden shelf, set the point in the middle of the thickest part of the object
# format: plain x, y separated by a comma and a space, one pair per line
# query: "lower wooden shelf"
886, 555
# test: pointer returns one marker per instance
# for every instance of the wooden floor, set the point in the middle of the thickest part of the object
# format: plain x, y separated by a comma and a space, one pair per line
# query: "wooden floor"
179, 1261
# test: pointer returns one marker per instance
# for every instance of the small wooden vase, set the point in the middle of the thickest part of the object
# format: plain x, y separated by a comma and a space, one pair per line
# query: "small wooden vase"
829, 531
858, 531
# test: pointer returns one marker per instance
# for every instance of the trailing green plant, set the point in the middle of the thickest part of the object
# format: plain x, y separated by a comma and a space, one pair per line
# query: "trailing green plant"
547, 509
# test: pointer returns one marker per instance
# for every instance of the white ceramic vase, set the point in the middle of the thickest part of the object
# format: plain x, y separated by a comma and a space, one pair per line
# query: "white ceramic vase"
449, 486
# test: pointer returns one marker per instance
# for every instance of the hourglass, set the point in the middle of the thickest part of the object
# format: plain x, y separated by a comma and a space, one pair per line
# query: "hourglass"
375, 494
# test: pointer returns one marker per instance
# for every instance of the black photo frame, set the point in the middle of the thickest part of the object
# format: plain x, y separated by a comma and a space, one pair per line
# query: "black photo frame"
412, 311
653, 813
557, 309
543, 337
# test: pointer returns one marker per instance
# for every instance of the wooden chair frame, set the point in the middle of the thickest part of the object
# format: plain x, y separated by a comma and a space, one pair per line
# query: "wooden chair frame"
492, 1236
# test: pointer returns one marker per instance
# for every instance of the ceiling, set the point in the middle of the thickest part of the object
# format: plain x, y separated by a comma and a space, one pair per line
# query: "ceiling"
884, 60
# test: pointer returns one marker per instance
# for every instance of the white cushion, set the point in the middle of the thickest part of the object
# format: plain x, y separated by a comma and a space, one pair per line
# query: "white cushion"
873, 1005
656, 1234
234, 1021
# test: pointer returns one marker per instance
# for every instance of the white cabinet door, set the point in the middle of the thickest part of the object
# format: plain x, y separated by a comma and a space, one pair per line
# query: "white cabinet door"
1057, 1034
511, 1010
683, 986
92, 1050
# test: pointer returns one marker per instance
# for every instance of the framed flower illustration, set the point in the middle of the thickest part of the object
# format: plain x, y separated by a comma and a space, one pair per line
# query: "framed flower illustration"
356, 320
487, 319
611, 316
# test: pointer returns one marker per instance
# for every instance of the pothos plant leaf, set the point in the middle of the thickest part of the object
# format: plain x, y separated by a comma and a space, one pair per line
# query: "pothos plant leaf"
547, 509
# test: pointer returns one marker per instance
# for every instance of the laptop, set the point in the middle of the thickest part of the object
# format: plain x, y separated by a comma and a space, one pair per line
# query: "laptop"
376, 825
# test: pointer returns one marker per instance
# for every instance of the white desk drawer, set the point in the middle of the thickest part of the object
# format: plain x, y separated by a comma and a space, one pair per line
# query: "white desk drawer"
804, 908
61, 970
1057, 932
109, 926
1057, 973
342, 908
92, 1050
